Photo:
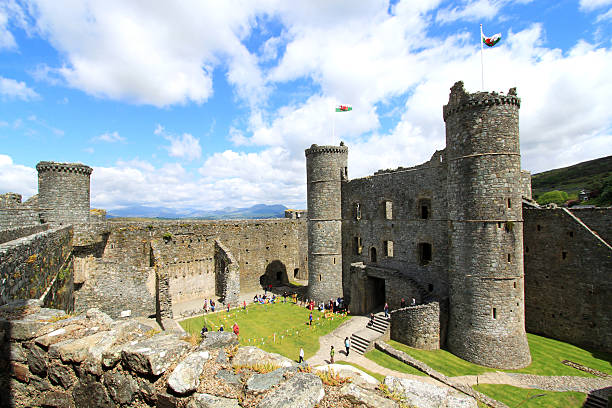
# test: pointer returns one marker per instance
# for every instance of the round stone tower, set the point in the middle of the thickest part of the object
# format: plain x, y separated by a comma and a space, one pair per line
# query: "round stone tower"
326, 171
486, 281
63, 192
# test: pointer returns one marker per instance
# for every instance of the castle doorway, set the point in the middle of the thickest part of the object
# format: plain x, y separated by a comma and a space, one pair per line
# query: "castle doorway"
276, 274
375, 297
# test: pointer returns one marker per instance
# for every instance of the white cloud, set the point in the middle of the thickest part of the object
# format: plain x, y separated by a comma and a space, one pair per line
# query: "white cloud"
473, 10
12, 89
604, 16
150, 53
185, 146
17, 178
589, 5
110, 137
6, 38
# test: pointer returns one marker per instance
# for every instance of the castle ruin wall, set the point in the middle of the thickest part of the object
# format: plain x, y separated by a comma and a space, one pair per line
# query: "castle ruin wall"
20, 232
568, 284
393, 222
29, 265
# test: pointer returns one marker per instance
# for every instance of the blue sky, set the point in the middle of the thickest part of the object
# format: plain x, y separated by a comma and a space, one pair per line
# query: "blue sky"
211, 104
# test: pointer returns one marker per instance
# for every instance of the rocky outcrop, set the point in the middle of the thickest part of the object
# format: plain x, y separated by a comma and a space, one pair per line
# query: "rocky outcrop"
50, 359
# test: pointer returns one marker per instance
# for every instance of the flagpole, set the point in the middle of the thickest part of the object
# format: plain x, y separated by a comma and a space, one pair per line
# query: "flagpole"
333, 123
481, 59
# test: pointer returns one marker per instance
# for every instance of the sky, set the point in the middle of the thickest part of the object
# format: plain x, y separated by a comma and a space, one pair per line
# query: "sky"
210, 104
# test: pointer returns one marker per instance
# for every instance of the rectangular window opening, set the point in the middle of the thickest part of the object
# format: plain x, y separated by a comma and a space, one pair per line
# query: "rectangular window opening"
564, 254
509, 259
509, 203
494, 313
425, 253
388, 210
388, 248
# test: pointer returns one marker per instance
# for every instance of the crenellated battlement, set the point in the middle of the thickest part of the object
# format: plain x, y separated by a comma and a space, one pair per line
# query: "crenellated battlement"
315, 149
460, 100
63, 167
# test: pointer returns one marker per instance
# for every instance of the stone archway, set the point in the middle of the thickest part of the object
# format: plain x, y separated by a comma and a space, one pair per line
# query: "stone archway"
275, 275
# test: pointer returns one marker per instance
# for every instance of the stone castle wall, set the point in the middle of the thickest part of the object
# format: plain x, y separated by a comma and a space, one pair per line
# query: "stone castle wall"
568, 285
183, 255
28, 265
20, 232
391, 222
18, 217
597, 219
421, 326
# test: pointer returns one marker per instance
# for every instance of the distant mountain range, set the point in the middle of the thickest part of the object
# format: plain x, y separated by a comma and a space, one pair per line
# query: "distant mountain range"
228, 213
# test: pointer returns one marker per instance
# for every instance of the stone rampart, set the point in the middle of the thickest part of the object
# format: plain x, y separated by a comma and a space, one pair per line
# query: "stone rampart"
19, 217
28, 265
20, 232
420, 326
597, 219
568, 285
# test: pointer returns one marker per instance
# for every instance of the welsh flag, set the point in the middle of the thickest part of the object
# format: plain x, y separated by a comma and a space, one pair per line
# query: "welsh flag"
344, 108
490, 41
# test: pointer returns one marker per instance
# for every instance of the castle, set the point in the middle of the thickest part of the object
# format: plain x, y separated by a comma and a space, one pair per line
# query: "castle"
458, 233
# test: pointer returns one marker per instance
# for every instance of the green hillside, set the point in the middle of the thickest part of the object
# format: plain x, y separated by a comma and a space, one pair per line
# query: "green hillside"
593, 175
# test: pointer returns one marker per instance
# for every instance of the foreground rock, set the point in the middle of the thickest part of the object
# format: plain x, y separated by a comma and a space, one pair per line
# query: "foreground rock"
186, 376
90, 360
251, 356
302, 390
424, 395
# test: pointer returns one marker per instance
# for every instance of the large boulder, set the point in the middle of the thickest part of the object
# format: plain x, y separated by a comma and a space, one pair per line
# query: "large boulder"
155, 355
302, 390
215, 340
363, 397
425, 395
263, 382
251, 356
186, 376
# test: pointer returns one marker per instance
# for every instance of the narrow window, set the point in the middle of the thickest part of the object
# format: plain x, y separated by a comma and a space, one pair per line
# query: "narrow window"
508, 257
388, 210
295, 272
564, 255
430, 287
320, 277
357, 211
514, 285
509, 203
424, 253
334, 261
571, 234
499, 225
357, 245
372, 254
539, 228
388, 248
424, 208
494, 313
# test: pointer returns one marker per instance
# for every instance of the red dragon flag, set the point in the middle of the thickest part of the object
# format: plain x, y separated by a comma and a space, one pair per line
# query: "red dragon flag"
490, 41
344, 108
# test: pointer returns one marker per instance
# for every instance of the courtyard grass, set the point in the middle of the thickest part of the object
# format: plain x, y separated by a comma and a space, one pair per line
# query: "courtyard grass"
277, 328
531, 398
546, 355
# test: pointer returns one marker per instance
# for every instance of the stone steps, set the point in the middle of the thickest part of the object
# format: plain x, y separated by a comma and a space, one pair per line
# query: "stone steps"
362, 341
595, 401
359, 344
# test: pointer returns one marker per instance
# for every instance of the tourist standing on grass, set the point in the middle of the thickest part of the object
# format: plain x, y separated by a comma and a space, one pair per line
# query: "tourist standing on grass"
204, 330
221, 328
347, 344
310, 319
236, 329
228, 307
212, 305
386, 310
244, 305
331, 355
301, 360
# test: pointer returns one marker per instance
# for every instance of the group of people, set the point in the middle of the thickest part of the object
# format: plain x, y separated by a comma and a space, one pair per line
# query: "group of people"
209, 305
235, 329
332, 351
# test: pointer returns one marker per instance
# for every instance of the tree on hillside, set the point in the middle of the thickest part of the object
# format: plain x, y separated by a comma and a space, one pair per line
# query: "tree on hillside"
556, 197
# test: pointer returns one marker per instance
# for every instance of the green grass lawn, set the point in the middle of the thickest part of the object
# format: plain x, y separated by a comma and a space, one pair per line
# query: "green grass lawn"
385, 360
277, 328
546, 355
528, 398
